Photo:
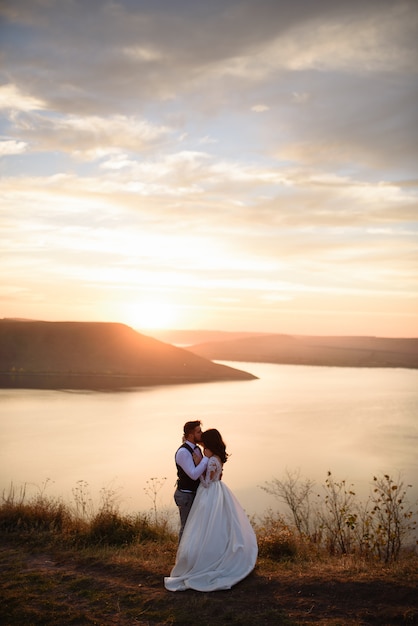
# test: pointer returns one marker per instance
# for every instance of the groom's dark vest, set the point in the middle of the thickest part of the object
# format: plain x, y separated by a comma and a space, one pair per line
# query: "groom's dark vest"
184, 482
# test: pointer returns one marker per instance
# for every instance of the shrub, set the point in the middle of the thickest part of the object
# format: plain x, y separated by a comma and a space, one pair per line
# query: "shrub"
276, 540
392, 517
109, 527
337, 516
339, 524
296, 494
78, 525
38, 514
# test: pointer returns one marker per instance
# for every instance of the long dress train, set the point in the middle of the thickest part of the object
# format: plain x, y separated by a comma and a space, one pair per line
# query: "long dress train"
218, 547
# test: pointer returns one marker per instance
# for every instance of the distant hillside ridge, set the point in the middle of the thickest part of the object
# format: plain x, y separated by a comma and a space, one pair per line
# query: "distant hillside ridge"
194, 337
311, 350
84, 355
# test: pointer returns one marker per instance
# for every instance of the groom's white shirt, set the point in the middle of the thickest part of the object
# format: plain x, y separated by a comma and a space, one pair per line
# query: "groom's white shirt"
185, 460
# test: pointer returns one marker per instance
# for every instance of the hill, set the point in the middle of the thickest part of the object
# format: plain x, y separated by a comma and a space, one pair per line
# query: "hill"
192, 337
47, 584
92, 355
310, 350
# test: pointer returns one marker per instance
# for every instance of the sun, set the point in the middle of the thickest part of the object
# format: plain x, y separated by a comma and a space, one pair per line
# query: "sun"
153, 315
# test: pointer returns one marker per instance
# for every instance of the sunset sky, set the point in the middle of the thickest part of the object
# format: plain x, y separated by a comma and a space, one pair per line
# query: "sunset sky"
240, 165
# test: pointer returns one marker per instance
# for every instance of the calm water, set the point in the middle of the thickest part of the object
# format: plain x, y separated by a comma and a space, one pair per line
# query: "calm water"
353, 422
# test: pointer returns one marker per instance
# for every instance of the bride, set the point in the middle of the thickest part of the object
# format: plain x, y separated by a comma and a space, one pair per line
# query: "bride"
218, 547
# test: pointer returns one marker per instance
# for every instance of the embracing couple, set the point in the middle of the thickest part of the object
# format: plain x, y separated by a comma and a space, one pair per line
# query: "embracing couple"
218, 547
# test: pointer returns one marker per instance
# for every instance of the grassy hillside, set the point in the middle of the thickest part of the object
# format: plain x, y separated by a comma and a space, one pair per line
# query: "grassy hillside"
89, 355
58, 568
307, 350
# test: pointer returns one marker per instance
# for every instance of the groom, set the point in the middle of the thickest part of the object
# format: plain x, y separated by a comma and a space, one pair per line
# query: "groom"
190, 465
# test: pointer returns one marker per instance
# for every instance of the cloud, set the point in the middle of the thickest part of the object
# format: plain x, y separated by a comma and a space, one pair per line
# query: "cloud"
207, 140
143, 54
9, 146
13, 99
88, 137
260, 108
300, 98
146, 54
256, 151
361, 44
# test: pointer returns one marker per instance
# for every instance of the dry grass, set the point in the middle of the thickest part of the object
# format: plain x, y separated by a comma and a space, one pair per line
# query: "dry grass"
46, 582
57, 567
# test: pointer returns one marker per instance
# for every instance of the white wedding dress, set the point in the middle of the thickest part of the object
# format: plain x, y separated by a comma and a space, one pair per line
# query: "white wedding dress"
218, 547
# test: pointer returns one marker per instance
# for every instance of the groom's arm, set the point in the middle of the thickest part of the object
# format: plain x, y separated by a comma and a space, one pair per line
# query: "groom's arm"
185, 460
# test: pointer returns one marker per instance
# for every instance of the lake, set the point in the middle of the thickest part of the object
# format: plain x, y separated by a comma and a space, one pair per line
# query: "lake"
353, 422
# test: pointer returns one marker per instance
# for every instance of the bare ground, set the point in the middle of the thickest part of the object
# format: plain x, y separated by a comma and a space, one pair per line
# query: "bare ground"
42, 586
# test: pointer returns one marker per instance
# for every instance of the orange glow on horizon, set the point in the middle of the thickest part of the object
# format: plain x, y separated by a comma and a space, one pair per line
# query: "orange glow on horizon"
158, 314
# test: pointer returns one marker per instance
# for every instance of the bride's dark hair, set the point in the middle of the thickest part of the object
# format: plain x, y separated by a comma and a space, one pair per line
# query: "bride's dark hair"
212, 440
